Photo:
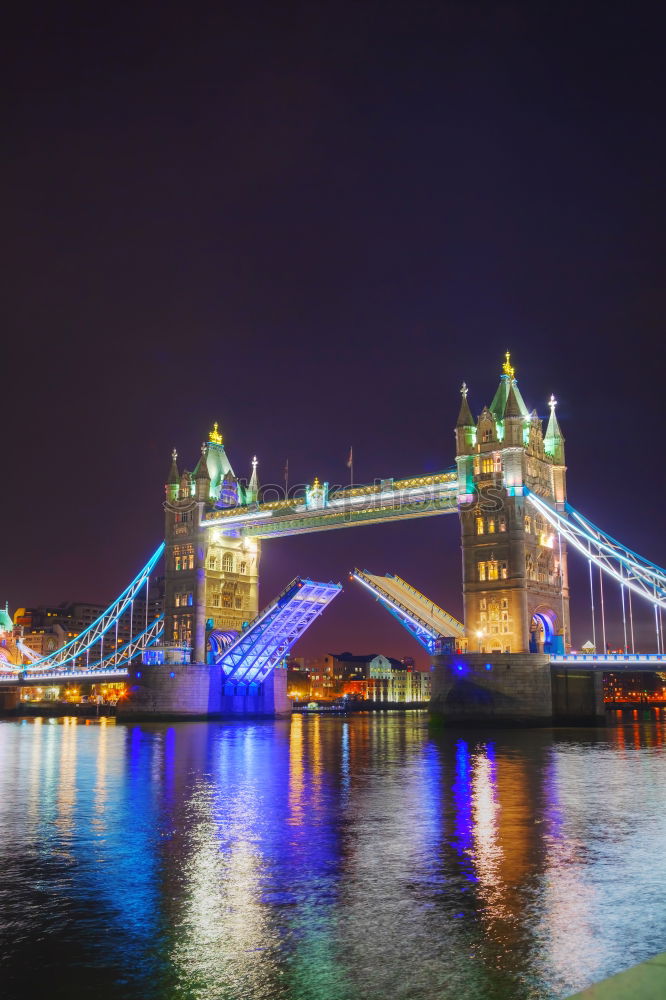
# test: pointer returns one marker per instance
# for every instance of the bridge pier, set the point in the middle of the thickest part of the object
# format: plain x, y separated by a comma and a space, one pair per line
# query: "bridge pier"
198, 691
512, 689
10, 699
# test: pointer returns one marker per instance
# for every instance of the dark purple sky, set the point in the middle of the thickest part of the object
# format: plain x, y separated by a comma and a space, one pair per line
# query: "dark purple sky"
310, 222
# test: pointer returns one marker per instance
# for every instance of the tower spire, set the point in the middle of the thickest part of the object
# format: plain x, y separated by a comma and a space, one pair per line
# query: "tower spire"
553, 441
253, 485
507, 367
465, 418
174, 476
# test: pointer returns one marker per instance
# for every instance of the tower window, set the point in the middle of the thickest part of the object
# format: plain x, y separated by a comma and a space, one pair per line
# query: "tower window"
242, 568
528, 524
491, 525
482, 570
493, 569
212, 562
504, 570
487, 466
228, 564
479, 525
502, 523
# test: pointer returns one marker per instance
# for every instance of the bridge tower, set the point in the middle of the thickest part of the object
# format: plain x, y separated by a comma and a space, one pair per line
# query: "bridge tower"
211, 578
515, 580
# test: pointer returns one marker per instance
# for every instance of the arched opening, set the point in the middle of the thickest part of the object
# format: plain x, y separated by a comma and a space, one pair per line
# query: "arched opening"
542, 632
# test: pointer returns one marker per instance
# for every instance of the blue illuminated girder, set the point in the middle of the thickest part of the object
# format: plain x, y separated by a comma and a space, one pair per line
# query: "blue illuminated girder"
422, 618
614, 559
272, 634
114, 663
72, 650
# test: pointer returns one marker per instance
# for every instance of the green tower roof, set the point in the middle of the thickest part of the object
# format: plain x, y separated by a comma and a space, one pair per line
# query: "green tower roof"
6, 623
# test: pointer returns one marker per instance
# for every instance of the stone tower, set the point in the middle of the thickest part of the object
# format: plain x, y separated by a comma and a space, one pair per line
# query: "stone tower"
515, 581
211, 578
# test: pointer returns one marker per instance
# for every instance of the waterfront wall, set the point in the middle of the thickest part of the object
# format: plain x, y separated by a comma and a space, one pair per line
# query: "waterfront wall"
502, 688
10, 698
512, 689
198, 691
577, 694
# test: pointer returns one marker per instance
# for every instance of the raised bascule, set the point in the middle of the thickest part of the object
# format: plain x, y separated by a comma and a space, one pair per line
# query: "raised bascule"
213, 653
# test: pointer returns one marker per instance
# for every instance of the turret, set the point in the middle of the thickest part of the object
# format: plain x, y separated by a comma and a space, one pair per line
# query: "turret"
252, 491
202, 476
465, 426
554, 447
171, 487
513, 421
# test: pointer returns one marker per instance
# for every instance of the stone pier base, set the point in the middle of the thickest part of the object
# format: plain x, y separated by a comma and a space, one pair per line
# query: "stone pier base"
199, 691
512, 689
10, 699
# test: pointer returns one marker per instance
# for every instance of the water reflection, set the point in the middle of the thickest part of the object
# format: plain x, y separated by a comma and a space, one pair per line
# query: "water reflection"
327, 858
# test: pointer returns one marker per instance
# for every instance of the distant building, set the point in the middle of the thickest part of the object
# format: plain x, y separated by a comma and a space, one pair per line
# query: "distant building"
46, 628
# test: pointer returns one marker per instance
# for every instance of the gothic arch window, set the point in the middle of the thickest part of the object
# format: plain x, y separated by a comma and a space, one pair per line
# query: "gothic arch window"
228, 562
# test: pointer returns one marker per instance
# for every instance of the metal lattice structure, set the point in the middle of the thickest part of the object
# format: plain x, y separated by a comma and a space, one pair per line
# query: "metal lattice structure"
94, 634
421, 617
271, 635
85, 655
614, 559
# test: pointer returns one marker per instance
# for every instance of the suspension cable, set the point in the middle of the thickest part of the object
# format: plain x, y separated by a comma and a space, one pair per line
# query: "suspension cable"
603, 616
631, 623
594, 627
656, 627
564, 621
624, 617
146, 622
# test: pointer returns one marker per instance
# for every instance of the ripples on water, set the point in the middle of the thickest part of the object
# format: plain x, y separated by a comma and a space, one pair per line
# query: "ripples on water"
326, 859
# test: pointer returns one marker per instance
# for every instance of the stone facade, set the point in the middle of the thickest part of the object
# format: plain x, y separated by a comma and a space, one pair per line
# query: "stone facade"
515, 577
511, 689
211, 578
197, 690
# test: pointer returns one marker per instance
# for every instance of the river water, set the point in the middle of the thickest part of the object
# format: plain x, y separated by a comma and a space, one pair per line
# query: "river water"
327, 858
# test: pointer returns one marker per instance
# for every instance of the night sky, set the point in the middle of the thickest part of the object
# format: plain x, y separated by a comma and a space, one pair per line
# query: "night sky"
311, 222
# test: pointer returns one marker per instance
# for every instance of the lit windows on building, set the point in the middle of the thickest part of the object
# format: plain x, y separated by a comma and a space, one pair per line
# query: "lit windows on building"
228, 562
493, 569
183, 557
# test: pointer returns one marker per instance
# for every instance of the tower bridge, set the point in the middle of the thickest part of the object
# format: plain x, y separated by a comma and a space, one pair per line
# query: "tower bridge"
212, 650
